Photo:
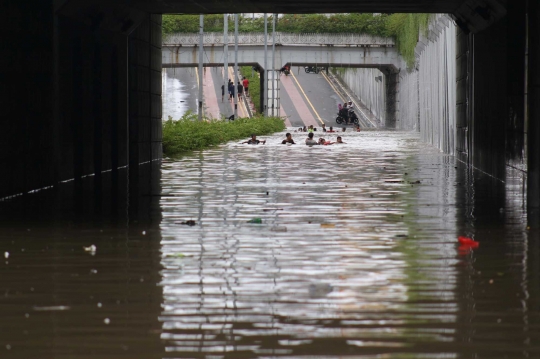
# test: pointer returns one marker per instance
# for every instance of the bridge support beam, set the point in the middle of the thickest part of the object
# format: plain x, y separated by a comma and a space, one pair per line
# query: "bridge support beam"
533, 132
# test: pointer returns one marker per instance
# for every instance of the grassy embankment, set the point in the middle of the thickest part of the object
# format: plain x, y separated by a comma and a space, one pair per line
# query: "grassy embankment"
254, 86
188, 134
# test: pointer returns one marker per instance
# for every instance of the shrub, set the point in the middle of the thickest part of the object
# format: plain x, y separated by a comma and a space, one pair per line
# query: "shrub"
254, 86
189, 134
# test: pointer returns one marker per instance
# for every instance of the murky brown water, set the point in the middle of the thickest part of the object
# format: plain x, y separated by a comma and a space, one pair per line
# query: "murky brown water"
353, 259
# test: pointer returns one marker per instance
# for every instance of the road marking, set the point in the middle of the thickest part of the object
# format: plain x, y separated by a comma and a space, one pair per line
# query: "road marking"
242, 106
333, 87
210, 94
307, 99
298, 102
283, 114
197, 76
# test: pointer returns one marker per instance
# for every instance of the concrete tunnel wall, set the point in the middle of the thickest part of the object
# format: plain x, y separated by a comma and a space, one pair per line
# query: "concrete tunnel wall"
425, 93
78, 101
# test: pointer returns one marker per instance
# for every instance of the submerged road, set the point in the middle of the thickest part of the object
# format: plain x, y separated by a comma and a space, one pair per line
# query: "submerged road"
351, 252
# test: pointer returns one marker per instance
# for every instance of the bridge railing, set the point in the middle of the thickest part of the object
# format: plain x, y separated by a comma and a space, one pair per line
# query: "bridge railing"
282, 38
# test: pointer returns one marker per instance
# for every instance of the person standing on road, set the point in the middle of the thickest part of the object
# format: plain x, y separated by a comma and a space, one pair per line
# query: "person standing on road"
240, 90
245, 82
231, 90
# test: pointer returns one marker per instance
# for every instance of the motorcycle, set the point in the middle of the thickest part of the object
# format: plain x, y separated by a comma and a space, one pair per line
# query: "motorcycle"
313, 69
285, 70
353, 118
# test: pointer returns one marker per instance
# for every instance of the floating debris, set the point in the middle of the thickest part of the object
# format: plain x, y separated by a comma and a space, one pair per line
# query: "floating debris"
469, 242
188, 223
6, 255
51, 308
255, 220
91, 249
328, 225
107, 321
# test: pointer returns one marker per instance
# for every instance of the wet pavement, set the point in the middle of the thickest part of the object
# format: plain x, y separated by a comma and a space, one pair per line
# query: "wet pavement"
352, 253
179, 91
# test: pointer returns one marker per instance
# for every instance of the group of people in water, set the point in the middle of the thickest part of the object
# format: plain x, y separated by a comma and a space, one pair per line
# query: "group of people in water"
310, 141
310, 128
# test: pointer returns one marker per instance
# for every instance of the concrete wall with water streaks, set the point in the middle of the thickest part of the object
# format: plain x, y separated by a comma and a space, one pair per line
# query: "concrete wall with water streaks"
369, 85
426, 94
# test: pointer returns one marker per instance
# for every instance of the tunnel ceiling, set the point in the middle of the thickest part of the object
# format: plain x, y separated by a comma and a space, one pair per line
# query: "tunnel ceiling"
123, 15
297, 6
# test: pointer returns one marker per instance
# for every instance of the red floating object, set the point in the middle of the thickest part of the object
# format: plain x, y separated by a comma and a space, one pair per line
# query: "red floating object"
468, 242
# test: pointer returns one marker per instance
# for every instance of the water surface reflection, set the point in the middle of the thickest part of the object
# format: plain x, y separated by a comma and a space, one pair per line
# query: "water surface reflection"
353, 256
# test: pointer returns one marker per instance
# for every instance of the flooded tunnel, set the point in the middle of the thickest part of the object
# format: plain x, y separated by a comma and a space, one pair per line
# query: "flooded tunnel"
357, 258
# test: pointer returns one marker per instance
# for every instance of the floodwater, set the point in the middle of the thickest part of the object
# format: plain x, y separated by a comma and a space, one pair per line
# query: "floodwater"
353, 254
179, 92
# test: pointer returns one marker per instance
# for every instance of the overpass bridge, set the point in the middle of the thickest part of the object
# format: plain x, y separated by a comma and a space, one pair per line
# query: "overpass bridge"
325, 50
352, 50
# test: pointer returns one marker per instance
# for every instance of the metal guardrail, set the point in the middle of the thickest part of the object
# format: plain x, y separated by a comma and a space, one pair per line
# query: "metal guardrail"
282, 38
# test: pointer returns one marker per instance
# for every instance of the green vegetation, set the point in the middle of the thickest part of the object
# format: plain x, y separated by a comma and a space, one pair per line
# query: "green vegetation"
404, 28
188, 134
295, 23
254, 86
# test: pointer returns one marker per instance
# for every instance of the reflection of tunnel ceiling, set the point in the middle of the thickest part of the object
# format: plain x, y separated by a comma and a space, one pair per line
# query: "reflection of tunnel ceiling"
472, 15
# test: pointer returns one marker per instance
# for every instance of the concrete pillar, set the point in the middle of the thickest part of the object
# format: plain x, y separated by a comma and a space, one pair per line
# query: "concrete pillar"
392, 79
533, 132
144, 81
262, 89
463, 86
515, 67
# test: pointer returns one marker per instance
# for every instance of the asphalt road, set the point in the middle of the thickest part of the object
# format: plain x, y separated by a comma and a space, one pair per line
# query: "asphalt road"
306, 98
316, 93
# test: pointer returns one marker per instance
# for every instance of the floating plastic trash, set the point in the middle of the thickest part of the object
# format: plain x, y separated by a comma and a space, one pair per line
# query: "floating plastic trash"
466, 245
468, 242
256, 220
91, 249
